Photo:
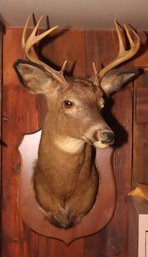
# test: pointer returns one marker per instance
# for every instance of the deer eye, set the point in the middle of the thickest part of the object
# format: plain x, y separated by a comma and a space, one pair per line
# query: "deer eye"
68, 104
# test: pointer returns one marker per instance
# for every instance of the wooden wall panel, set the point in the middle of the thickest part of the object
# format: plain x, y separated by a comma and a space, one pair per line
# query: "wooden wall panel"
0, 119
141, 104
24, 113
140, 133
21, 115
67, 45
113, 239
140, 130
1, 36
12, 52
101, 47
2, 32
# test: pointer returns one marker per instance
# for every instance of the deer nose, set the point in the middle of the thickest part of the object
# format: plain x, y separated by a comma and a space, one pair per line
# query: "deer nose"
107, 137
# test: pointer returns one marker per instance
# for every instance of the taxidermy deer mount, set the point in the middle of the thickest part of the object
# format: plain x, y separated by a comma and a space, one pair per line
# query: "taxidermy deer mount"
65, 177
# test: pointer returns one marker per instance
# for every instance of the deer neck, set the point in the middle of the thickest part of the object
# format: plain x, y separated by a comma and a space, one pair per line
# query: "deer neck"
58, 150
53, 159
62, 144
58, 140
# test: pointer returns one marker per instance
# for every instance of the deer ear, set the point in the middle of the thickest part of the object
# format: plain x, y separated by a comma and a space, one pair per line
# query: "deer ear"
114, 80
33, 77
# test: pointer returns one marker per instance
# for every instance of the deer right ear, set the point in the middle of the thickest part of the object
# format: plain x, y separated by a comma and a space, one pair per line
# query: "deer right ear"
33, 77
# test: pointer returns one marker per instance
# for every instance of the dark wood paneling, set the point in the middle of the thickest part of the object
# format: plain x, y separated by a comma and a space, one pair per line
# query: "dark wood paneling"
133, 230
19, 115
101, 48
140, 133
12, 52
2, 31
141, 103
67, 45
1, 36
113, 239
2, 27
24, 113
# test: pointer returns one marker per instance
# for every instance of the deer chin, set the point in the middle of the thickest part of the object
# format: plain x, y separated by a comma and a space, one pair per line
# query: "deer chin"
100, 145
70, 145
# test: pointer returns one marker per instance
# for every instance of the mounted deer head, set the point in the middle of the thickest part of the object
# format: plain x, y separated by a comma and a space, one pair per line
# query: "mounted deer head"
65, 178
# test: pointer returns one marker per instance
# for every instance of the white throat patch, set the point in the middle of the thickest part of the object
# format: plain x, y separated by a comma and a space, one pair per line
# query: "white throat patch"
70, 145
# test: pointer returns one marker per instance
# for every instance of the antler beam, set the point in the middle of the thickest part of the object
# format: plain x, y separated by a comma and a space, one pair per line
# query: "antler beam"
123, 54
27, 45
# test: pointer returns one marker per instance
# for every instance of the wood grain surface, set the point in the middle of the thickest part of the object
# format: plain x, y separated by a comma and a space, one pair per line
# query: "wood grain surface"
24, 113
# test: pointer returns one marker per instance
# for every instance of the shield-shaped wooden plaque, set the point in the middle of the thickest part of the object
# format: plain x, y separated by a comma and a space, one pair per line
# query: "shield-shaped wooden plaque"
31, 213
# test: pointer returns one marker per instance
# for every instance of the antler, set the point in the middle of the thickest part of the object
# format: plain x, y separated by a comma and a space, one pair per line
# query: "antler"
30, 54
123, 54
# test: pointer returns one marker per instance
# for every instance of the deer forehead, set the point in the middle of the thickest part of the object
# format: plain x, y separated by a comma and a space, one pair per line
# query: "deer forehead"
85, 97
82, 90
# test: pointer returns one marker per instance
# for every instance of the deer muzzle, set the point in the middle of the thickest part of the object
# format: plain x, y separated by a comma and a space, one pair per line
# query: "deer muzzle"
103, 138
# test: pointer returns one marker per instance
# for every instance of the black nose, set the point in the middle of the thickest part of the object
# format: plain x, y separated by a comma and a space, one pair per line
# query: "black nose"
107, 137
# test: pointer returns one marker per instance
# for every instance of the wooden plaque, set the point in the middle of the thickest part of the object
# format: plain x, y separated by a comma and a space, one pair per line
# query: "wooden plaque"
31, 213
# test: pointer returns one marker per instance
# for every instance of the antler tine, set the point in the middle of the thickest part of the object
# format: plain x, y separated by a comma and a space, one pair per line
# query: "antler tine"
96, 81
123, 54
63, 66
24, 32
129, 36
120, 38
31, 41
33, 32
